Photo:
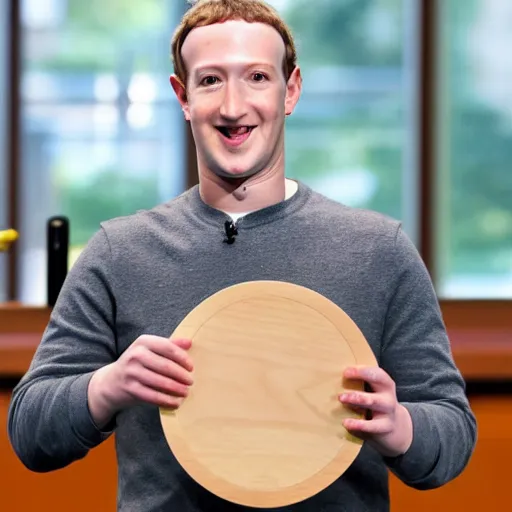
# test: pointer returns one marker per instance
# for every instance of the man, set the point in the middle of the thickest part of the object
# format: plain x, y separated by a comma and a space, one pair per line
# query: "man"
105, 362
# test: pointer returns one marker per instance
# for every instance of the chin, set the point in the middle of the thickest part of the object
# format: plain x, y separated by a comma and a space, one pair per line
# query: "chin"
236, 172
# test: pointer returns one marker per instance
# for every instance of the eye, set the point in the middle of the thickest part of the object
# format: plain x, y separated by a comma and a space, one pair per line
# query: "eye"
259, 77
209, 80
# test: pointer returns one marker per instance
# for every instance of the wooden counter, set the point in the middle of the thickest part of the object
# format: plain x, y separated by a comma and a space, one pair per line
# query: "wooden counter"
91, 484
482, 347
480, 334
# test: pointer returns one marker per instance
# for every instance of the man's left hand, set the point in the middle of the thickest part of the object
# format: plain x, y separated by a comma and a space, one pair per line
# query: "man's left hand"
389, 429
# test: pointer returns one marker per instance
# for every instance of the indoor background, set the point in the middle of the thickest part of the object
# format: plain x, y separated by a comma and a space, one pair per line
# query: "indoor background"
406, 109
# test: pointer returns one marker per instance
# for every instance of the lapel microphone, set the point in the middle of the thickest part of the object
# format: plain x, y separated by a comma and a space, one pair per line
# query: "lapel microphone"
231, 231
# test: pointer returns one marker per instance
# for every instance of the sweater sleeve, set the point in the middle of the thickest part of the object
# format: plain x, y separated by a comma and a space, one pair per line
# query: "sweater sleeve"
417, 355
49, 422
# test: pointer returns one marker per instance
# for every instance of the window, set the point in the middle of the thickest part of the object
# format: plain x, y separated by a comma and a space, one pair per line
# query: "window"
102, 134
101, 130
353, 135
474, 137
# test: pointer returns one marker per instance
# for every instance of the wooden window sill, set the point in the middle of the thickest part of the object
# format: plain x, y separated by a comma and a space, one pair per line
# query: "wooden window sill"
480, 334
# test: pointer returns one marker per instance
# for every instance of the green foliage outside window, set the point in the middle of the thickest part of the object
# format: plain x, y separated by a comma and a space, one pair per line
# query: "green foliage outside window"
359, 34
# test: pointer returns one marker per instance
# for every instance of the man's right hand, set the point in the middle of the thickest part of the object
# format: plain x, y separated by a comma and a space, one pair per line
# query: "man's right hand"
152, 370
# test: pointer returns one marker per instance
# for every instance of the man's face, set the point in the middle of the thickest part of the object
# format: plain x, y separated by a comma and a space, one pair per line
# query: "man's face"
237, 96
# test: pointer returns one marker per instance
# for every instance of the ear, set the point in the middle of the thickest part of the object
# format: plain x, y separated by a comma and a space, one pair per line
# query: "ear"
293, 90
181, 94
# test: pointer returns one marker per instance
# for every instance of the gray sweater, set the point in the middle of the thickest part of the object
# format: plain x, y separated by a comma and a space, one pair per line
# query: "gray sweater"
142, 274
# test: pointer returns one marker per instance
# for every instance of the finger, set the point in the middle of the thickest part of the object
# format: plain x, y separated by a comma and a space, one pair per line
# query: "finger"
155, 397
378, 379
166, 348
377, 402
167, 368
158, 382
374, 426
183, 343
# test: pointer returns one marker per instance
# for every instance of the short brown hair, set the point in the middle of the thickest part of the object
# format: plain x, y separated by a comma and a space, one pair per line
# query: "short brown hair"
209, 12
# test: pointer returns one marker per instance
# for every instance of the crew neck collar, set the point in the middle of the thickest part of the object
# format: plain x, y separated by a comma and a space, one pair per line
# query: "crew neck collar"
211, 215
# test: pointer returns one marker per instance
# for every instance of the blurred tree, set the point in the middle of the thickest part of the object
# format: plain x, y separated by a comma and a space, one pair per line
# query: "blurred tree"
368, 34
356, 33
479, 149
360, 36
102, 36
111, 194
116, 37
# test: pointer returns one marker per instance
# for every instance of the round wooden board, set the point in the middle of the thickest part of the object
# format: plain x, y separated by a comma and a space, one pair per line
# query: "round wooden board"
262, 425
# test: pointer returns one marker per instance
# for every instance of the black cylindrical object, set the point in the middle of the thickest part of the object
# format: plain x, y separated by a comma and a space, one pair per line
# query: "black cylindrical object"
57, 251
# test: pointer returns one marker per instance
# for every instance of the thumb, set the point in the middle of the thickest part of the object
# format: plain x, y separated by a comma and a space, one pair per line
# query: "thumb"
185, 344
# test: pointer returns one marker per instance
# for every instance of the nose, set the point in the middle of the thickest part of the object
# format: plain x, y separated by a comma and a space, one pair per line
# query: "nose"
233, 102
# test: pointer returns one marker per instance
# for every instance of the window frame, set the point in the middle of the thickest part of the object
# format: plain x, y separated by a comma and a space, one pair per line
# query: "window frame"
13, 123
490, 319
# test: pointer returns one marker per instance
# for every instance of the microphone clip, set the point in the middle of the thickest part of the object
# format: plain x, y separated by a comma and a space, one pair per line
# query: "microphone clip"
231, 232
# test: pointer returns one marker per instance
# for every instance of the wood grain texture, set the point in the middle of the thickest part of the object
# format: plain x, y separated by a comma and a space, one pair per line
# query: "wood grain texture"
262, 425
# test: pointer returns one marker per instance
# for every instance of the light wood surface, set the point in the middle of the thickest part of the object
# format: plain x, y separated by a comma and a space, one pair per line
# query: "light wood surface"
262, 425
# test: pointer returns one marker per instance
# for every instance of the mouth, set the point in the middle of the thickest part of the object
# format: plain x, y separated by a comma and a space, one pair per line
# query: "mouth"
235, 135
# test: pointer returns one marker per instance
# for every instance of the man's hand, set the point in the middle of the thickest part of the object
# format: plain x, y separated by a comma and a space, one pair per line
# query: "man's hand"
152, 370
389, 429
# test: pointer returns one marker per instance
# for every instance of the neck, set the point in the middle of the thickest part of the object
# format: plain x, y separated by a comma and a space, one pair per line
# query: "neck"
236, 195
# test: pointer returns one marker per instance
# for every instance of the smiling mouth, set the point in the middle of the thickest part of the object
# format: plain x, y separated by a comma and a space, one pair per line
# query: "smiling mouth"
236, 132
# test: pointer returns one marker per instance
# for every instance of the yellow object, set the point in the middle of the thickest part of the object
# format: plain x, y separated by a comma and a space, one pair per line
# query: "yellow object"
7, 237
